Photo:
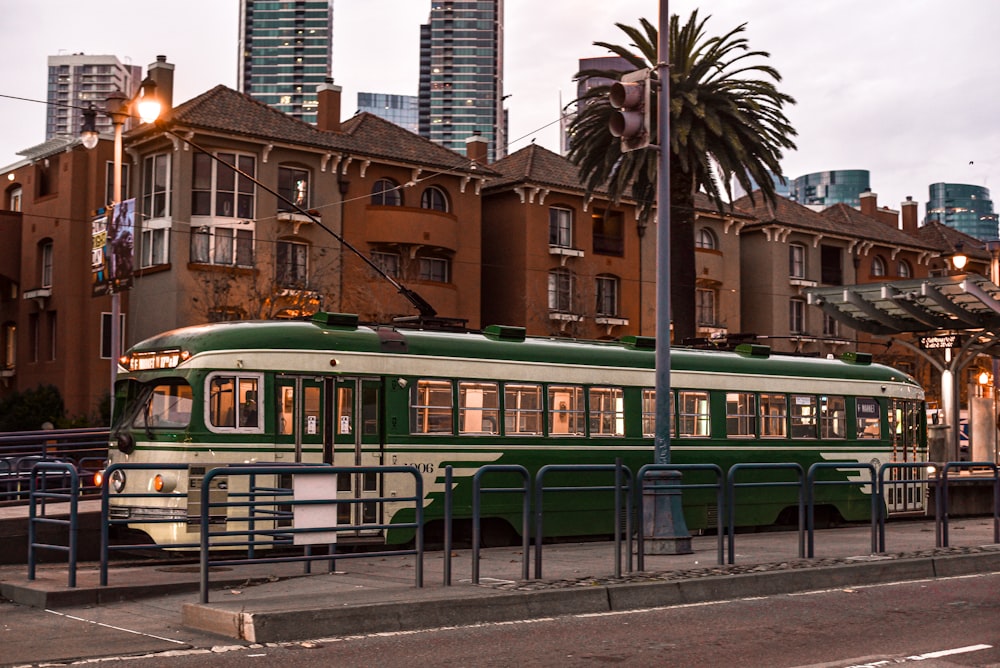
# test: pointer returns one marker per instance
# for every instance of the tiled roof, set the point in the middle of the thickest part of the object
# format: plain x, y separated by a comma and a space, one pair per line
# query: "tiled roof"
225, 110
792, 214
873, 229
946, 239
538, 166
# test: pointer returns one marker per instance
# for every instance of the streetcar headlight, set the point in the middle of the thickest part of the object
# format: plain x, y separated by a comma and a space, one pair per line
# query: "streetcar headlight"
118, 480
164, 483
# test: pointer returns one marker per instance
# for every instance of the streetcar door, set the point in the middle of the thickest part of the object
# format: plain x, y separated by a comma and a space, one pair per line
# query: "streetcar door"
904, 423
299, 423
357, 442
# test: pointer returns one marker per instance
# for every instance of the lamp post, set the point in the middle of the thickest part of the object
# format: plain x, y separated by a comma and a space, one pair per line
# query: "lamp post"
119, 108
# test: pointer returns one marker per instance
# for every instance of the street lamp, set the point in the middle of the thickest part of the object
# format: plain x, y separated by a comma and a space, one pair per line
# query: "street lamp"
119, 108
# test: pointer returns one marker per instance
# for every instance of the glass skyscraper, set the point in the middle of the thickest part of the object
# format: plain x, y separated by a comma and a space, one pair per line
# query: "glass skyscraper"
398, 109
285, 53
461, 75
824, 189
966, 208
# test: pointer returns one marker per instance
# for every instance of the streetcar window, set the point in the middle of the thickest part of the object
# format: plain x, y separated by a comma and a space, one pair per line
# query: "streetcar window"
773, 416
693, 414
232, 402
741, 414
566, 410
478, 408
167, 407
869, 418
430, 407
522, 409
803, 416
607, 411
832, 417
649, 414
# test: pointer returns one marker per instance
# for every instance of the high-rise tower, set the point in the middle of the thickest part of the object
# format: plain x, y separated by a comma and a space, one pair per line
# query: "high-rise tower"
966, 208
285, 53
461, 75
79, 80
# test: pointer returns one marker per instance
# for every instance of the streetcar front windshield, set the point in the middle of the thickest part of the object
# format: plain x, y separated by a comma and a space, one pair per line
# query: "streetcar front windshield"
159, 405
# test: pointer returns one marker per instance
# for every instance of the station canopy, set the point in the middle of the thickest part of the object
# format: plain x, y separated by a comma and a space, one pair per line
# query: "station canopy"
967, 304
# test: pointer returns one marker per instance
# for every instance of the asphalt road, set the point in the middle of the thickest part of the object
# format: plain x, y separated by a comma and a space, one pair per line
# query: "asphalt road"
932, 623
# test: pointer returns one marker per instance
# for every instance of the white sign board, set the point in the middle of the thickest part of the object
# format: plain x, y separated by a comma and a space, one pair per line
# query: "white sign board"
315, 515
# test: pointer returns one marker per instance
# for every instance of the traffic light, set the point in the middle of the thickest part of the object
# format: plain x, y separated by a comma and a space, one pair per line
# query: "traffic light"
631, 118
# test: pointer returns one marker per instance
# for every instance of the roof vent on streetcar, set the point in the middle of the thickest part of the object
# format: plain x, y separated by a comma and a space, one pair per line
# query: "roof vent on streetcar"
856, 358
753, 350
639, 342
504, 333
336, 320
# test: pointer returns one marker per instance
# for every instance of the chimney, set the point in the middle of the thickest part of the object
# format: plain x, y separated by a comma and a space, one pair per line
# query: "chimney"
162, 74
476, 148
869, 203
910, 216
328, 111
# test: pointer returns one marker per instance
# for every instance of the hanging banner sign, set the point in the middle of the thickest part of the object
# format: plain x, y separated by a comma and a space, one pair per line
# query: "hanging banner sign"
113, 239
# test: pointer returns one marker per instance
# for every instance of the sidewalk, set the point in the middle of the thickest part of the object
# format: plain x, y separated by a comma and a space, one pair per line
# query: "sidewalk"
277, 602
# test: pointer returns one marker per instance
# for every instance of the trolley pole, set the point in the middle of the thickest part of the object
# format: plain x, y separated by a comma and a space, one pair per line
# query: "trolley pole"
663, 526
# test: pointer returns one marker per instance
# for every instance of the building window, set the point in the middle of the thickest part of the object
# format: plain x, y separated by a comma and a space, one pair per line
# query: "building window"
796, 316
292, 264
227, 246
797, 261
106, 334
385, 192
434, 269
608, 232
156, 186
109, 180
560, 227
831, 327
561, 290
218, 190
154, 247
293, 186
607, 295
905, 271
387, 262
434, 198
52, 334
46, 253
705, 306
9, 344
706, 239
831, 265
14, 199
878, 266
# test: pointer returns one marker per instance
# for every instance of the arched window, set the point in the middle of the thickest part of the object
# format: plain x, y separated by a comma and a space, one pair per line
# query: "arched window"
434, 198
878, 266
561, 290
706, 239
386, 192
607, 295
14, 198
905, 271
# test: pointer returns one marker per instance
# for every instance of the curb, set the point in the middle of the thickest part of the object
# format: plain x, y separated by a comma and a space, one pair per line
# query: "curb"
252, 622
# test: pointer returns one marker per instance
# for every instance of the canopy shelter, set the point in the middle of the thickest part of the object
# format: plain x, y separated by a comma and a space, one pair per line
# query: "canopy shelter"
953, 319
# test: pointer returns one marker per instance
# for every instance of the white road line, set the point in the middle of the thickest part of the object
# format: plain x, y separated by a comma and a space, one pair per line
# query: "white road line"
949, 652
116, 628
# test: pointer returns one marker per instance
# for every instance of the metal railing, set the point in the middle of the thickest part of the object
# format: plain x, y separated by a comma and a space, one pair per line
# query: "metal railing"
261, 513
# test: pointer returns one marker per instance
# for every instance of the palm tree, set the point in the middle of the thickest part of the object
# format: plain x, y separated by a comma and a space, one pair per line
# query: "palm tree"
726, 122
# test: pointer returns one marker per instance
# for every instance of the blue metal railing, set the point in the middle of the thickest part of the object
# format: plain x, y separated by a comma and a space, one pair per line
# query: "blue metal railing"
296, 535
812, 483
731, 486
941, 498
39, 472
478, 490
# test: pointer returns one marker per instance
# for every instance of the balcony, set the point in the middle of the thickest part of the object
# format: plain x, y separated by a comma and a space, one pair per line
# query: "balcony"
406, 225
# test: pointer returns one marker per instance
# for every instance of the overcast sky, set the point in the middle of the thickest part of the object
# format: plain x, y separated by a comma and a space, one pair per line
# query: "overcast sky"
906, 89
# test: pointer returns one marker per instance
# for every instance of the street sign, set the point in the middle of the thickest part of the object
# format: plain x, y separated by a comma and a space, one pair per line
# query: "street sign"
940, 342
